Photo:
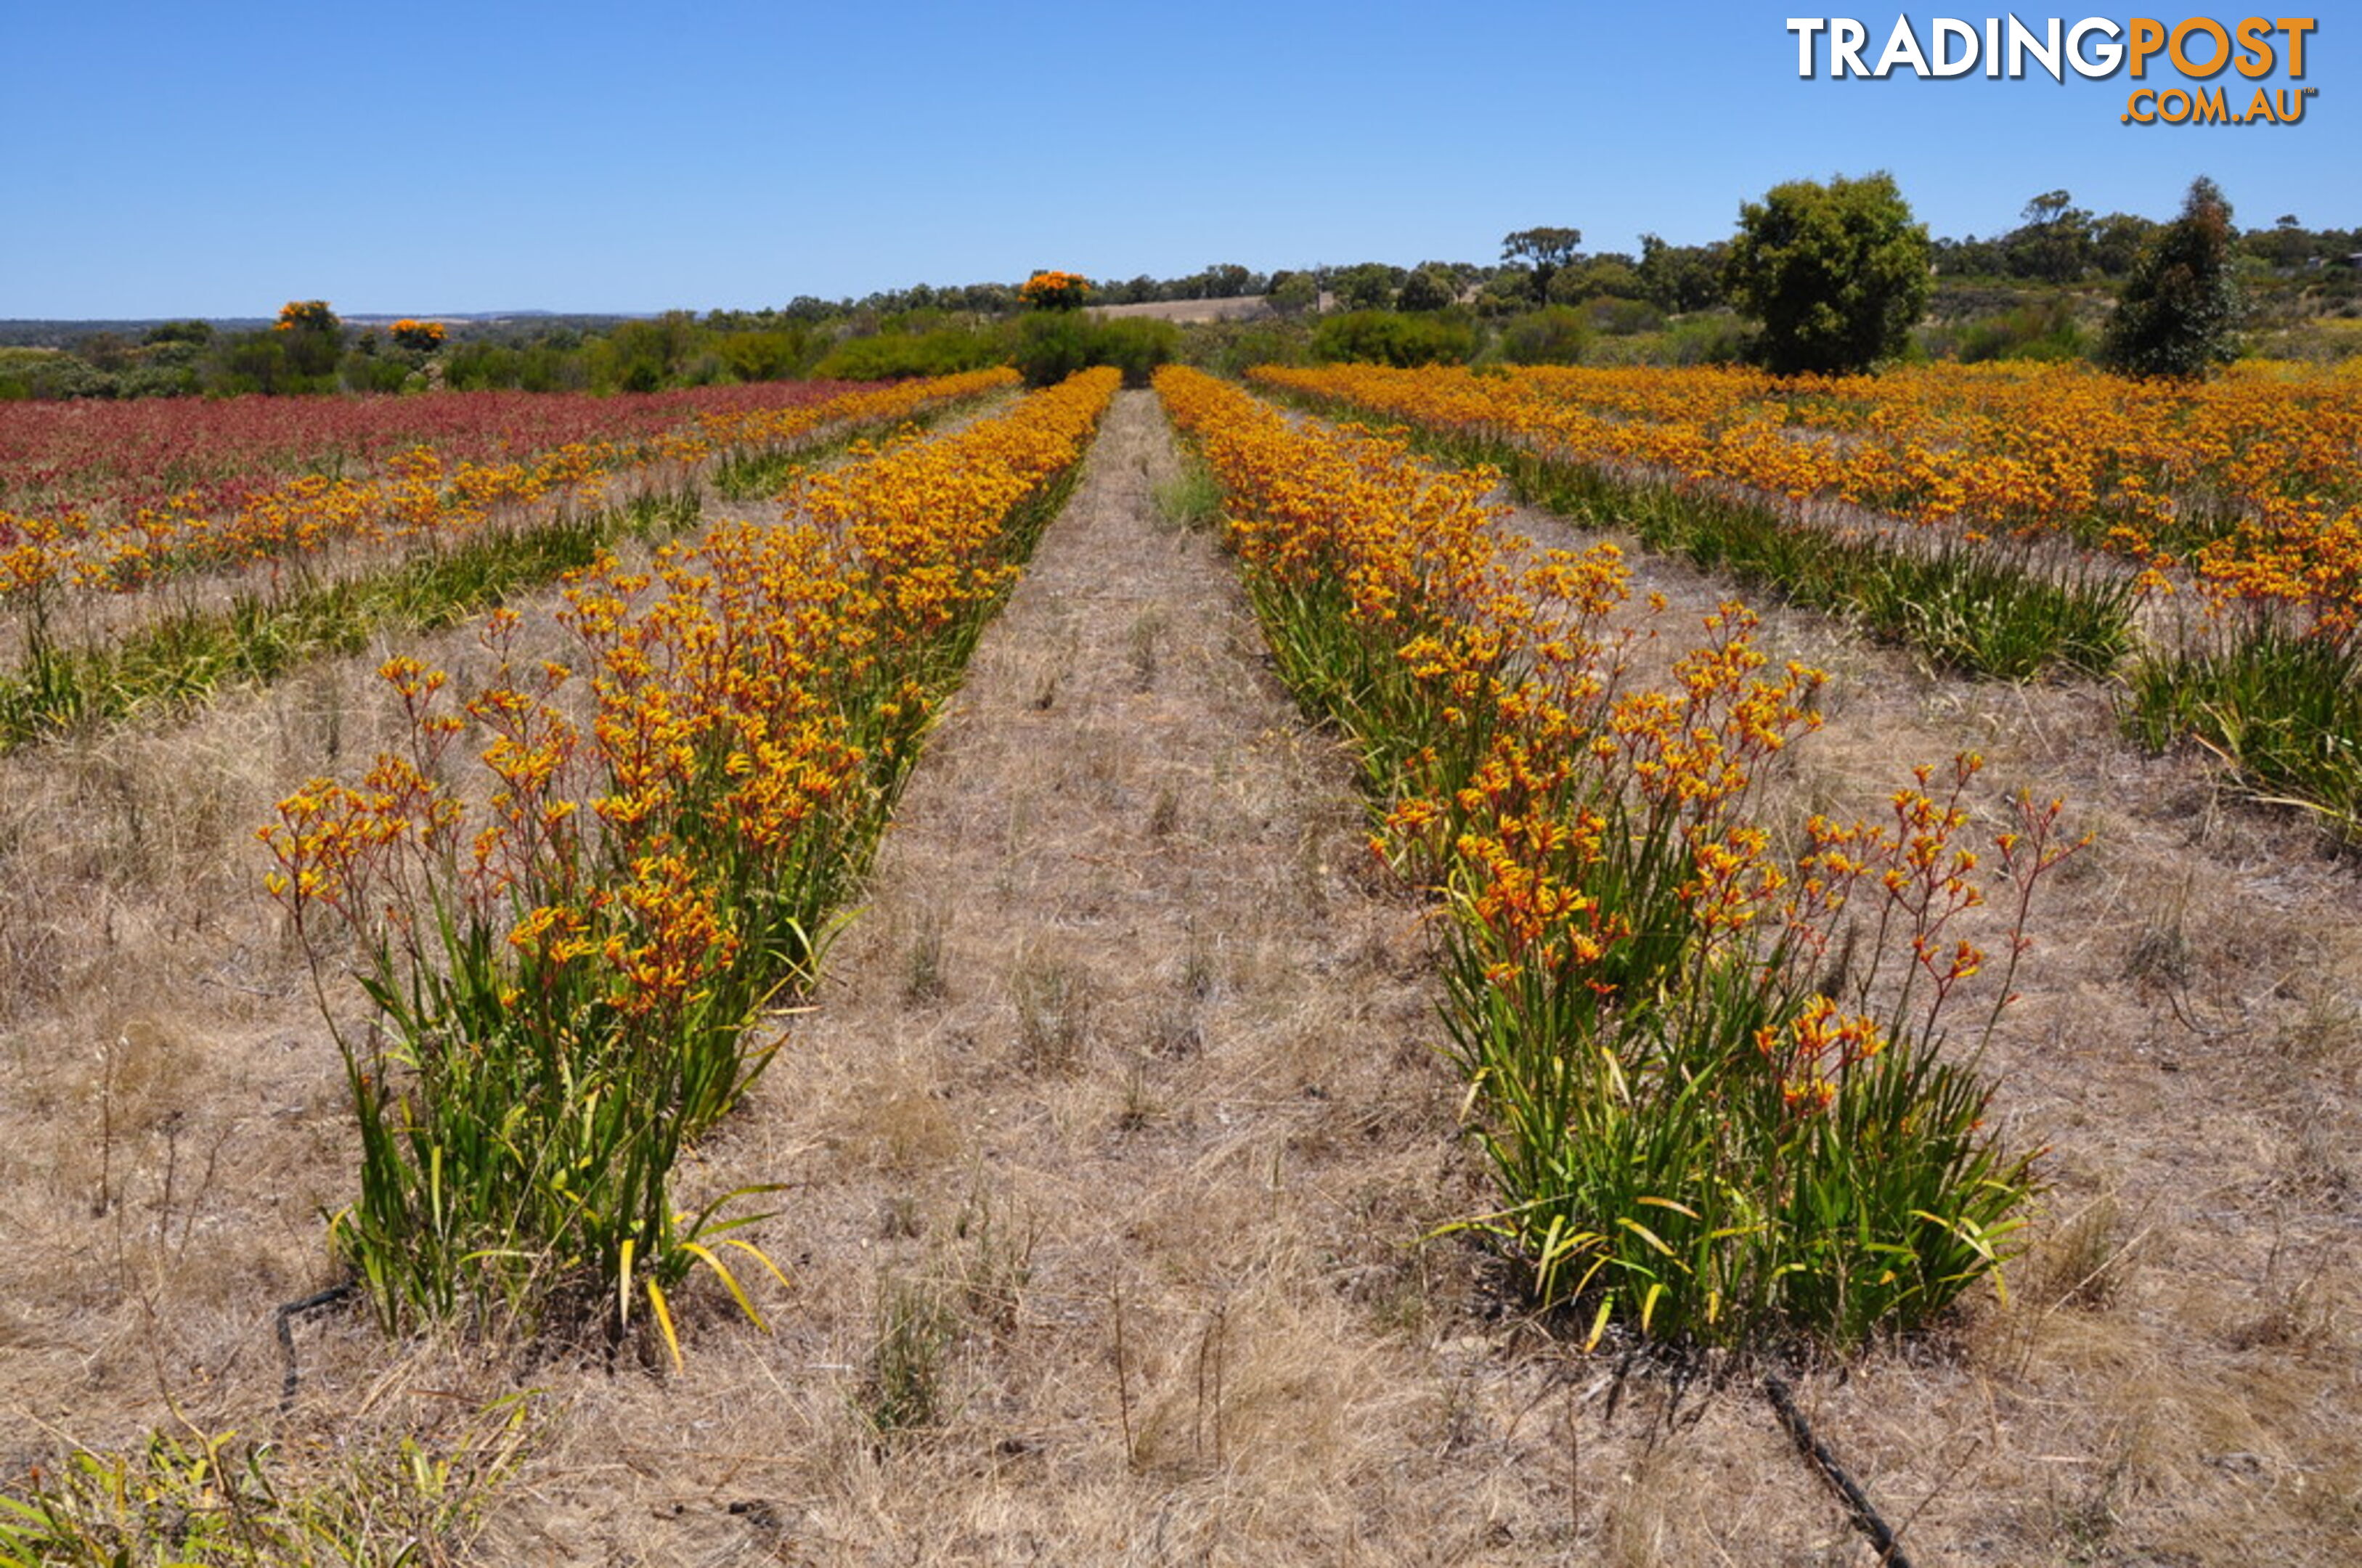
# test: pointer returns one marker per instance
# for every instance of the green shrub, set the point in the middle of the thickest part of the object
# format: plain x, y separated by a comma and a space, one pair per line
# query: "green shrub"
2043, 328
1053, 344
53, 373
2282, 705
766, 356
1555, 335
1710, 337
475, 367
942, 351
1135, 345
1621, 317
192, 331
1228, 348
369, 373
1050, 346
1382, 337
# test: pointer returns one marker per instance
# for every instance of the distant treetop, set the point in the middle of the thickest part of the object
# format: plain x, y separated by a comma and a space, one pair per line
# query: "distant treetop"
308, 316
1055, 291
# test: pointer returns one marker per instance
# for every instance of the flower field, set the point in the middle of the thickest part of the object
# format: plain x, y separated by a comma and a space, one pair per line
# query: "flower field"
2202, 476
571, 981
257, 479
114, 459
1146, 975
107, 613
1685, 1129
1974, 512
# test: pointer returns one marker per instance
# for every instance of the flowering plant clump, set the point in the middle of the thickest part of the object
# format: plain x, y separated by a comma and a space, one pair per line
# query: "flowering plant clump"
1055, 291
567, 959
1709, 1079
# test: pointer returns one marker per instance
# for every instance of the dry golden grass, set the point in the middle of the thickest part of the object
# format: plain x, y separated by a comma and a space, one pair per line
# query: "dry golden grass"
1111, 1142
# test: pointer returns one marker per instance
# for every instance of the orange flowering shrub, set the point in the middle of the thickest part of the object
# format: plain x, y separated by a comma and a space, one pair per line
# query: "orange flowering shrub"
305, 315
566, 957
1687, 1132
1055, 291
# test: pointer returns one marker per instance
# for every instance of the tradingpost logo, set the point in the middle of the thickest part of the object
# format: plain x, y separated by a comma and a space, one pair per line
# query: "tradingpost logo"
2221, 65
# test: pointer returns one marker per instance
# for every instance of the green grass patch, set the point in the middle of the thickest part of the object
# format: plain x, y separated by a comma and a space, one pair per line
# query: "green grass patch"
2282, 706
1191, 499
216, 1501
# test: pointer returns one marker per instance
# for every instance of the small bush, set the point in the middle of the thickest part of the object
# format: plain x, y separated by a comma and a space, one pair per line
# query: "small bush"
1228, 348
1136, 346
2282, 705
1712, 337
1382, 337
2042, 330
53, 373
905, 1389
895, 355
1050, 346
369, 373
766, 356
1053, 344
1555, 335
1621, 317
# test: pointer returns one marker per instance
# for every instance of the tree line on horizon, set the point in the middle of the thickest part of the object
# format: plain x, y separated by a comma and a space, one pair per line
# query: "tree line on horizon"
2027, 293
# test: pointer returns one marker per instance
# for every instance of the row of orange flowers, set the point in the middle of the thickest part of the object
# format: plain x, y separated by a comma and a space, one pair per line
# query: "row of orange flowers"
418, 494
565, 956
2252, 481
1700, 1123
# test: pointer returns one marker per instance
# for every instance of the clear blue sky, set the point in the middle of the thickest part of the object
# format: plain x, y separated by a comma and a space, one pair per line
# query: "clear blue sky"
215, 159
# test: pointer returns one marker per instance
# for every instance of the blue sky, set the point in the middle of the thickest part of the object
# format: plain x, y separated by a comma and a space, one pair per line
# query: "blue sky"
218, 159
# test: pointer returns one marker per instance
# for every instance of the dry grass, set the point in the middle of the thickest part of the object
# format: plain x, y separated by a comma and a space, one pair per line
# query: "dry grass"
1117, 1131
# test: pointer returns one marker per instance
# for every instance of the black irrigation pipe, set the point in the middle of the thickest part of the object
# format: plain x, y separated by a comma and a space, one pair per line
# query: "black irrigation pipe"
1865, 1513
286, 1317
